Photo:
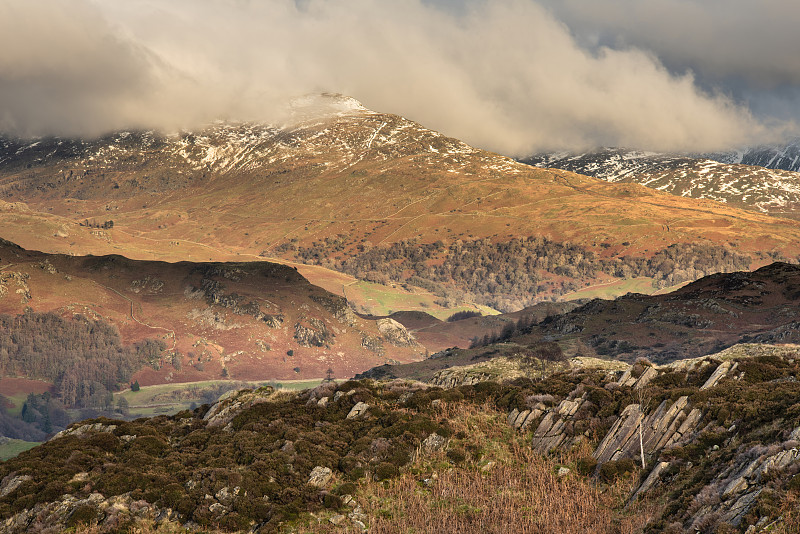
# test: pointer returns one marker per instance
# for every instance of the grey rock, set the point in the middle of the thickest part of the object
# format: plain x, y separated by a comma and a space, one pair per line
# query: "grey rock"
226, 495
360, 409
82, 430
217, 508
721, 372
11, 483
395, 333
433, 443
621, 432
520, 419
337, 520
736, 513
649, 374
320, 476
512, 417
532, 416
650, 481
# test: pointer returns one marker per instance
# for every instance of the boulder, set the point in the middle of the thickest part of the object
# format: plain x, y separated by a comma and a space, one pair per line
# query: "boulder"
433, 443
320, 476
395, 333
359, 410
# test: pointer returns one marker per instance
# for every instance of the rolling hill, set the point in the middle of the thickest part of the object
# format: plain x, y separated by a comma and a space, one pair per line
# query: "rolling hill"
244, 321
701, 318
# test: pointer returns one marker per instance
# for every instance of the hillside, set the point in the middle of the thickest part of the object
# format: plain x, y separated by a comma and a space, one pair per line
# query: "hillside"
276, 191
436, 335
557, 454
246, 320
699, 319
741, 182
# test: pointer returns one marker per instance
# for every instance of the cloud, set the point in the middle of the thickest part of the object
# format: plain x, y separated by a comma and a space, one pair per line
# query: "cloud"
755, 42
504, 75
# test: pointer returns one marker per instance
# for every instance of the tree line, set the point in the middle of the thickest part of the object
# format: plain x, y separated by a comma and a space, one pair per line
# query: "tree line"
513, 274
84, 359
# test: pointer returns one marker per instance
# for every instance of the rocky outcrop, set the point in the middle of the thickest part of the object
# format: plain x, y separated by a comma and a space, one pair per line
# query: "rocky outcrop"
12, 482
314, 335
83, 430
452, 378
359, 410
551, 431
395, 333
667, 432
664, 427
233, 402
338, 307
433, 443
20, 279
110, 514
734, 491
522, 420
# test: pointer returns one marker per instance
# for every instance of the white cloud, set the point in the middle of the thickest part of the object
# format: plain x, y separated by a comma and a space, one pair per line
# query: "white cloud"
504, 75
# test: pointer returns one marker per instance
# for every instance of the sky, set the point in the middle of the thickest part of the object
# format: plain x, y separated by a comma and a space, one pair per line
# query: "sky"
512, 76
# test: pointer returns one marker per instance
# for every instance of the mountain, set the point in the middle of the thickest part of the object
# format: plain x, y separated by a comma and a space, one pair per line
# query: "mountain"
235, 320
784, 156
276, 192
737, 181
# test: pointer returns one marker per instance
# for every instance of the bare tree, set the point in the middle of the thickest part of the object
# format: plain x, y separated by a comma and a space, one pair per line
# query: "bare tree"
643, 396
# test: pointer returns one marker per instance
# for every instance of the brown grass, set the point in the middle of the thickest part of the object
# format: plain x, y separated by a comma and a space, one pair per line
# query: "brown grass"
509, 489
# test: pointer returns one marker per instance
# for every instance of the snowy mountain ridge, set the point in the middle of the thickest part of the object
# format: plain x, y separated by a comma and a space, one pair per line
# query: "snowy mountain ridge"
785, 156
773, 191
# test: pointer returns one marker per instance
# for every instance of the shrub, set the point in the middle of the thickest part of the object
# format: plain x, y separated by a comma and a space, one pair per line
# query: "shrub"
82, 515
586, 465
610, 471
384, 471
457, 455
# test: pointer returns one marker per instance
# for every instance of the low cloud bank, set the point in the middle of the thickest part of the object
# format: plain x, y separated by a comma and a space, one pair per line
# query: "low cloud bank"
504, 75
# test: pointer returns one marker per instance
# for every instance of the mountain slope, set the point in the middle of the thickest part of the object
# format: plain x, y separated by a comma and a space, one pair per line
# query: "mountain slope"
249, 321
780, 156
748, 185
701, 318
351, 180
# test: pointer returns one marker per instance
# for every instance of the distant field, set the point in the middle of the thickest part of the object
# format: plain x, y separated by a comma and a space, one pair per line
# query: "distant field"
619, 288
13, 447
379, 299
16, 390
613, 289
172, 398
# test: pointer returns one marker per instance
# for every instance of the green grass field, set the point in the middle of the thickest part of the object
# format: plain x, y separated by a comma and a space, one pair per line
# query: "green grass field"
619, 288
172, 398
18, 400
9, 448
384, 300
614, 289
